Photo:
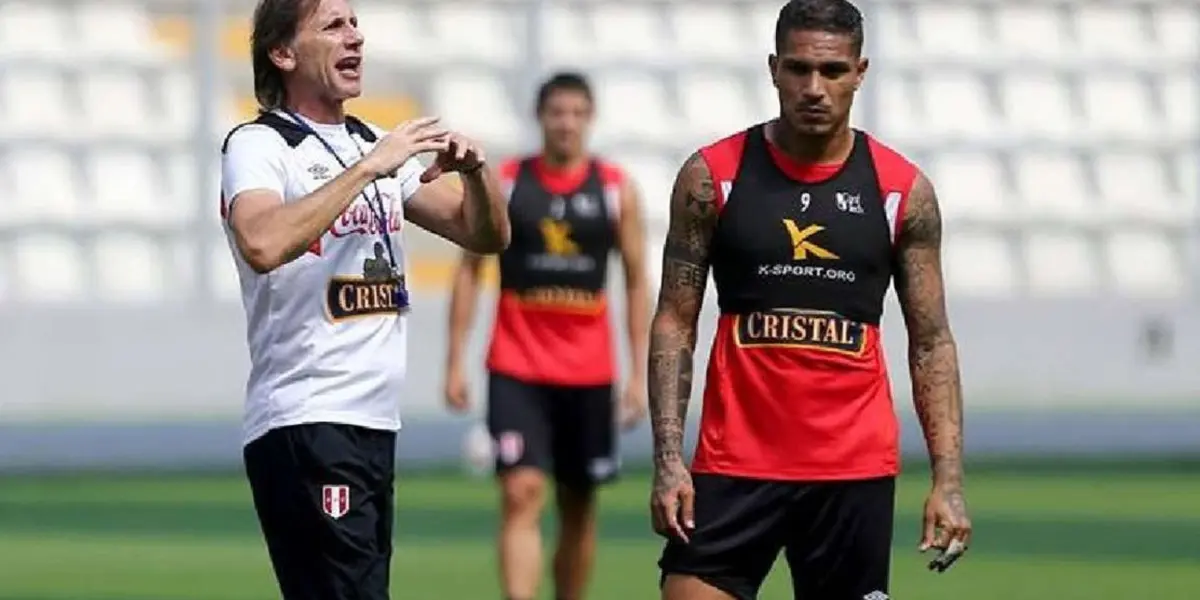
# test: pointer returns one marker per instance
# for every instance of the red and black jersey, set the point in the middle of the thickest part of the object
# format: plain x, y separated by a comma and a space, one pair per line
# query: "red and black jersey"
802, 257
552, 319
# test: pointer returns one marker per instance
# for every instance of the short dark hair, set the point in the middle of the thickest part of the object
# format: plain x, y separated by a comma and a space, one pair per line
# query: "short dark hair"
275, 25
831, 16
569, 81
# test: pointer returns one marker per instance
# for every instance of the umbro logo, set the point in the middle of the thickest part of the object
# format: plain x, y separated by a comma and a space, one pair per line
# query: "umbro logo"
877, 595
319, 171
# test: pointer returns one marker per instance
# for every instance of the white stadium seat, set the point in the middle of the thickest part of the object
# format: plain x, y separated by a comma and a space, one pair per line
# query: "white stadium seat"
1031, 31
973, 185
1060, 264
116, 105
132, 268
1055, 185
126, 187
1187, 173
35, 30
176, 96
1181, 104
6, 285
712, 33
476, 102
113, 29
393, 35
654, 176
48, 268
1175, 27
901, 113
762, 17
1038, 106
477, 32
1112, 32
45, 186
222, 272
566, 37
37, 104
182, 181
978, 265
1137, 186
1144, 264
957, 107
951, 31
1117, 106
634, 107
716, 104
629, 32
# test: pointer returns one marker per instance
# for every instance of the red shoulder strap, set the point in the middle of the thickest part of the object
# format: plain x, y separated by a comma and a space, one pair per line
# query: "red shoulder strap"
723, 158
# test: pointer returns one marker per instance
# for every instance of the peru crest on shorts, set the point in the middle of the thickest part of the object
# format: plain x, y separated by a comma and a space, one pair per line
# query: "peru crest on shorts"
335, 500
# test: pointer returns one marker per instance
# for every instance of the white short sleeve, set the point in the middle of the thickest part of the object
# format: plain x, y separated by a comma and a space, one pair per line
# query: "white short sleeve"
253, 159
409, 177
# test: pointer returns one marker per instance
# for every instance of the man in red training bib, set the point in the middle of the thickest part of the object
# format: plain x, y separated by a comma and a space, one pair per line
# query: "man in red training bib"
551, 407
804, 223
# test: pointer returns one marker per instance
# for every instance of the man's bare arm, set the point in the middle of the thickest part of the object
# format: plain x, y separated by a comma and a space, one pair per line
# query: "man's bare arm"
632, 242
681, 294
932, 353
462, 307
469, 210
270, 233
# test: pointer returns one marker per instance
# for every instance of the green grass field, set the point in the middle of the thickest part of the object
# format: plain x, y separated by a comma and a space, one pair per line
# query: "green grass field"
1119, 532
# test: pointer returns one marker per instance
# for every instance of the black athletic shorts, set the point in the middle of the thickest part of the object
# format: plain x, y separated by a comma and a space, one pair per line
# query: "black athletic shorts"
836, 536
566, 431
324, 497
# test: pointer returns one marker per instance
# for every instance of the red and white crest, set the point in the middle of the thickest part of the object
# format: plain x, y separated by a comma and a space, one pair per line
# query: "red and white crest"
510, 446
335, 500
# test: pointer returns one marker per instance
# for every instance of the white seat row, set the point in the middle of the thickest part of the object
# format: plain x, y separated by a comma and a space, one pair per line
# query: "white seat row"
45, 104
111, 185
1134, 263
1109, 184
119, 268
643, 108
702, 104
652, 32
1036, 31
132, 268
647, 32
95, 30
134, 186
1041, 106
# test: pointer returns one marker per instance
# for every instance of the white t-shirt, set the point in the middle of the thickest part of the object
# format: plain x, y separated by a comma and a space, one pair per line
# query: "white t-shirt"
326, 343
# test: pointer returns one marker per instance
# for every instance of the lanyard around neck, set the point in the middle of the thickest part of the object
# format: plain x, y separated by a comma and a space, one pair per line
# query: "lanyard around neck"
377, 208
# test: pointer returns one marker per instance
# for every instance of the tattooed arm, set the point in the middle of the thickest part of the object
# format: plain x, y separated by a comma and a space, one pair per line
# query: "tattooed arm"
681, 293
933, 362
673, 339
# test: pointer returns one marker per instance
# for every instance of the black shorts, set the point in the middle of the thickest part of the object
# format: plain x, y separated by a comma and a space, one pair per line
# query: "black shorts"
837, 536
566, 431
324, 497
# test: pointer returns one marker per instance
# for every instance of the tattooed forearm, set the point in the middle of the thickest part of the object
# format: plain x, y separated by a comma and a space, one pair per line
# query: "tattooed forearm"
932, 353
681, 293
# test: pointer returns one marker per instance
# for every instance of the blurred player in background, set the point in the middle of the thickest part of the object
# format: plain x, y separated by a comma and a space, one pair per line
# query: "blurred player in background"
312, 201
550, 399
804, 222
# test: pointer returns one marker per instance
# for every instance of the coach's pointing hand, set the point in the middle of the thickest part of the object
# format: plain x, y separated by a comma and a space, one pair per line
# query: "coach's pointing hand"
947, 526
671, 503
461, 154
404, 142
